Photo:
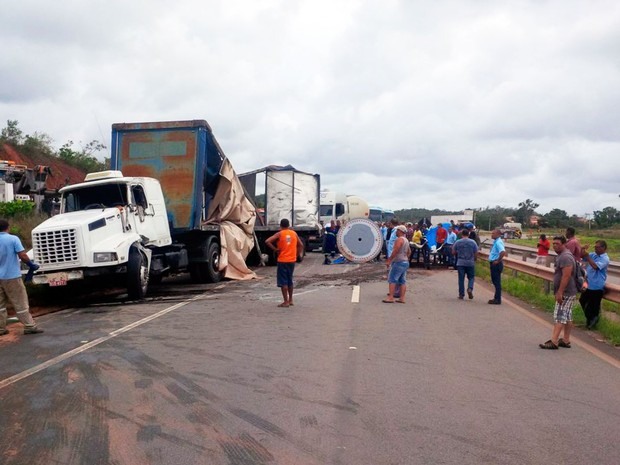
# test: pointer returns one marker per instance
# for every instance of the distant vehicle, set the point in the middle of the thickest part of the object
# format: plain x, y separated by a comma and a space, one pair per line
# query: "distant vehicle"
338, 206
356, 207
511, 230
380, 214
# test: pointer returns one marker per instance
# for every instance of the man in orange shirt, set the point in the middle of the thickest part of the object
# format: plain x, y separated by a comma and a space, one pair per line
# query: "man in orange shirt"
289, 249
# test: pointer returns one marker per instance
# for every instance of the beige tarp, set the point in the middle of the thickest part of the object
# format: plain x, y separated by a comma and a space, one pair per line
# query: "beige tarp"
236, 215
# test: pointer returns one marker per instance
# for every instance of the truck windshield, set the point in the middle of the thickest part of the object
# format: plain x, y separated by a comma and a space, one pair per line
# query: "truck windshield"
328, 210
96, 196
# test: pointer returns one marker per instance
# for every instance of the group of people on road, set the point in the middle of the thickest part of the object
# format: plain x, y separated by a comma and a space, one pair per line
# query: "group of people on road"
570, 256
289, 249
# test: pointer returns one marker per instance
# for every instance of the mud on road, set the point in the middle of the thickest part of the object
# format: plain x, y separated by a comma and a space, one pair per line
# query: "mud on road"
310, 273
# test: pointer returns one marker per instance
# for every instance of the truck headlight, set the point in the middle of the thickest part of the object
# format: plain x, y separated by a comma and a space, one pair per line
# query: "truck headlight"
102, 257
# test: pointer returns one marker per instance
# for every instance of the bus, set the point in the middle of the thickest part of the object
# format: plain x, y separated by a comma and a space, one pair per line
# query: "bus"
380, 215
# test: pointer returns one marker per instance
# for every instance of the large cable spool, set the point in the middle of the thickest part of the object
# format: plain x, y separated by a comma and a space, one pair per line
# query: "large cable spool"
360, 240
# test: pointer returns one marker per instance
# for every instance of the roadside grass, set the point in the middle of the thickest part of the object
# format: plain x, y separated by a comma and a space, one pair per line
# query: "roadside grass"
531, 289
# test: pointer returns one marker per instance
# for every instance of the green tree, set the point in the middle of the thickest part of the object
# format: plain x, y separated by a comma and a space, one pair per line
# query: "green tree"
12, 134
492, 217
83, 158
556, 218
525, 211
606, 217
37, 144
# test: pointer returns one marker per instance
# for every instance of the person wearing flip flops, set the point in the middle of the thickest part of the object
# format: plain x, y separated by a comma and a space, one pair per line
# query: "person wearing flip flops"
565, 292
398, 263
290, 250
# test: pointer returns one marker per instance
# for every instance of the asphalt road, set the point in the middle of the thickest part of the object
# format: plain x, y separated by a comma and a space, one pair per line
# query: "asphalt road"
219, 374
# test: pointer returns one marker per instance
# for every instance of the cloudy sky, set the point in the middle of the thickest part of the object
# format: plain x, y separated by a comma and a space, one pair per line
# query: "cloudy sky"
407, 103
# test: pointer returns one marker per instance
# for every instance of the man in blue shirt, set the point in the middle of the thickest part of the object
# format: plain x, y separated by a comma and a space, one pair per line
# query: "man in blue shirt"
12, 287
596, 269
447, 247
496, 260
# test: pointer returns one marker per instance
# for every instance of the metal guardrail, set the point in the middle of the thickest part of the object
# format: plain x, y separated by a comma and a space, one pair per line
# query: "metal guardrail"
528, 252
612, 291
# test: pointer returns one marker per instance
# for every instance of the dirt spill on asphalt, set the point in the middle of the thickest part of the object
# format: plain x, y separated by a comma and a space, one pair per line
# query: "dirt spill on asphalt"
178, 288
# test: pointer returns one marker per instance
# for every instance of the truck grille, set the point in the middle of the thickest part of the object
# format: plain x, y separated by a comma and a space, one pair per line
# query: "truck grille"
55, 247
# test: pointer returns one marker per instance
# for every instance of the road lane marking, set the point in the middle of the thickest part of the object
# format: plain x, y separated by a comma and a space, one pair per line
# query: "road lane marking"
78, 350
355, 296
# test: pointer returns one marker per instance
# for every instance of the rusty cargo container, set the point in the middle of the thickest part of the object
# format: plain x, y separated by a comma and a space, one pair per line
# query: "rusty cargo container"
187, 160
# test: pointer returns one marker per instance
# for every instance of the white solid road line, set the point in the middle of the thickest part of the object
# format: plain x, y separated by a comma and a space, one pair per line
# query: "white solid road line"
89, 345
355, 296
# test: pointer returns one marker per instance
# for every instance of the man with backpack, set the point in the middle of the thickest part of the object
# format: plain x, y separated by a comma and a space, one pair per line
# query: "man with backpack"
565, 291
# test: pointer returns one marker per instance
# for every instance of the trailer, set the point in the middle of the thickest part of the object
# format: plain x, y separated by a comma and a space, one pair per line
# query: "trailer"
284, 192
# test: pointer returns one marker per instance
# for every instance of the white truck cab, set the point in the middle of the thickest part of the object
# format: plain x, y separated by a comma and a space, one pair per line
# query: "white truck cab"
107, 225
338, 206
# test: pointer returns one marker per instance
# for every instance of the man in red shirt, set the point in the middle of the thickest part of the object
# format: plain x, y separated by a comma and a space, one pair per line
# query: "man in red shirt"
440, 237
289, 249
543, 250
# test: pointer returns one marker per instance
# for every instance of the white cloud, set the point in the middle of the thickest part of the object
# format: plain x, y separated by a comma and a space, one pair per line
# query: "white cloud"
446, 104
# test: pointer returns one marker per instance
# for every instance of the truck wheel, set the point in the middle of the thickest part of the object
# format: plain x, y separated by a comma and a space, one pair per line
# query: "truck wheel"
214, 275
208, 272
137, 275
303, 245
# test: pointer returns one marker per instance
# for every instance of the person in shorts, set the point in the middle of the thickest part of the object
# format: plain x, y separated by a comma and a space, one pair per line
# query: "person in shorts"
398, 263
565, 292
289, 249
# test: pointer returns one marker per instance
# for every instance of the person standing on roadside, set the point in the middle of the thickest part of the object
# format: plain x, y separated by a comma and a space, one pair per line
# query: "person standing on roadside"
398, 263
449, 257
12, 287
565, 292
542, 253
572, 244
496, 262
466, 251
289, 249
441, 235
394, 223
596, 270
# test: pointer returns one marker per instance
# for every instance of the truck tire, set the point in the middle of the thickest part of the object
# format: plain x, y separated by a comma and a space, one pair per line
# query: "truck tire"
304, 242
208, 272
137, 275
